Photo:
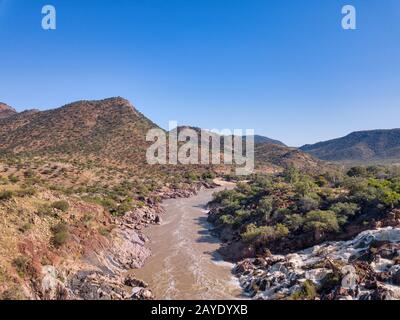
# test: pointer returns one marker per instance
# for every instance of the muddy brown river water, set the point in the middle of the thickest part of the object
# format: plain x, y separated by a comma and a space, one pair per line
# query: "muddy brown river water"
184, 262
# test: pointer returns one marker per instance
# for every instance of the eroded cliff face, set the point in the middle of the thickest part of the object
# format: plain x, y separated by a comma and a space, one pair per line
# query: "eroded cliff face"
94, 268
365, 268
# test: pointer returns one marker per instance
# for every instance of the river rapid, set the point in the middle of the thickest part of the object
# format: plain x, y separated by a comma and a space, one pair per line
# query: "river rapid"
184, 263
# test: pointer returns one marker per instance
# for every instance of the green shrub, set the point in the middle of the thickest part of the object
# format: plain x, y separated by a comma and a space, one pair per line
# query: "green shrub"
294, 222
329, 282
26, 192
253, 232
6, 195
308, 291
21, 264
344, 211
309, 202
44, 210
13, 179
60, 234
281, 231
321, 221
61, 205
265, 207
25, 227
227, 220
345, 208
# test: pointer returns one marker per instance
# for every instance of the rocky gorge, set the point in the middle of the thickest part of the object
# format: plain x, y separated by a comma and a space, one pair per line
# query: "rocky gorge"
102, 272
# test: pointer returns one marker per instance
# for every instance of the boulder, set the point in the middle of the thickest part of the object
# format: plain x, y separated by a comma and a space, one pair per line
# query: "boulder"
131, 281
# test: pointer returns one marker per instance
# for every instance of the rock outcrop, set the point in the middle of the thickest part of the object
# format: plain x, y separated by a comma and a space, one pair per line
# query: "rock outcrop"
366, 268
6, 111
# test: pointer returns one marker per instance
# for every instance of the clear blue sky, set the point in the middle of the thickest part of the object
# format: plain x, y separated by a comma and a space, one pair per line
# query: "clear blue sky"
285, 68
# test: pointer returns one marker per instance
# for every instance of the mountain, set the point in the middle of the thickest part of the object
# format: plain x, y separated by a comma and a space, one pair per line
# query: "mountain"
362, 146
261, 139
271, 155
110, 128
257, 138
6, 111
285, 157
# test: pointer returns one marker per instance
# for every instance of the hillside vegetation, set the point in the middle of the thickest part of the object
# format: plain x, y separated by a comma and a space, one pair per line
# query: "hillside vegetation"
294, 210
363, 147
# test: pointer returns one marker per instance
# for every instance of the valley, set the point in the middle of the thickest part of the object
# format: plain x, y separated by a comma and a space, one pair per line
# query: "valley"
184, 263
84, 216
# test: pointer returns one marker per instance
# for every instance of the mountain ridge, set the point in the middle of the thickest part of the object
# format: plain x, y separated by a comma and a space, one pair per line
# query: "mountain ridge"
110, 127
362, 146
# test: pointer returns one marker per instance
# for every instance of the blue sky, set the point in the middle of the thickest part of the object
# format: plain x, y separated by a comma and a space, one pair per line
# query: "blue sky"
285, 68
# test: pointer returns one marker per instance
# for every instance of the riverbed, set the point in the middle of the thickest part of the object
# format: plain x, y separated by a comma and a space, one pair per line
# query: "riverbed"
185, 263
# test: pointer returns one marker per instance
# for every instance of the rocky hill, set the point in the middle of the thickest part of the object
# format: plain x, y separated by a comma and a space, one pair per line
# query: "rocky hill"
362, 146
110, 128
6, 110
267, 154
271, 155
261, 139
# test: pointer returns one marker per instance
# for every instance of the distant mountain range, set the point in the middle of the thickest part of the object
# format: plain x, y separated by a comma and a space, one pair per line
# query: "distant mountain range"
108, 129
113, 129
362, 146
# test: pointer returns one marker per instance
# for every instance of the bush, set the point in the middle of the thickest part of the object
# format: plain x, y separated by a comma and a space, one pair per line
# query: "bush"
281, 231
308, 203
61, 205
266, 233
294, 222
330, 282
304, 187
13, 179
123, 208
253, 232
6, 195
21, 264
344, 211
345, 208
265, 208
44, 210
60, 234
26, 192
227, 220
13, 293
321, 221
357, 172
25, 227
308, 291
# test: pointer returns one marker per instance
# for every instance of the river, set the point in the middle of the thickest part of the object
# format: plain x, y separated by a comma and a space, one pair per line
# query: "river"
184, 262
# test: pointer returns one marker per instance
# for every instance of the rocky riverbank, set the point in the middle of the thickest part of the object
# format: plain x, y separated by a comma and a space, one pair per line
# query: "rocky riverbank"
365, 268
101, 272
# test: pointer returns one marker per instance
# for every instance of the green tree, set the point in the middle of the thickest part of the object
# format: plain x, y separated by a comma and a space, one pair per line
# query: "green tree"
265, 208
319, 220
